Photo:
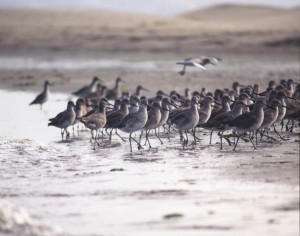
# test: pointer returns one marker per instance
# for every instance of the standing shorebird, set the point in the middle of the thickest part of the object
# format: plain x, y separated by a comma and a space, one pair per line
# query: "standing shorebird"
187, 120
64, 119
270, 117
206, 109
86, 90
154, 116
247, 122
134, 122
139, 90
134, 101
199, 62
115, 117
214, 124
115, 93
96, 121
225, 101
43, 96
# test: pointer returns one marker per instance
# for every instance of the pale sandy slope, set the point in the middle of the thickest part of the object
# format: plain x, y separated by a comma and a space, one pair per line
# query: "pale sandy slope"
222, 26
247, 17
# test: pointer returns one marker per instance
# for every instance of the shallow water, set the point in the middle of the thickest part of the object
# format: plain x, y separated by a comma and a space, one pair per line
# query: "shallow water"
49, 187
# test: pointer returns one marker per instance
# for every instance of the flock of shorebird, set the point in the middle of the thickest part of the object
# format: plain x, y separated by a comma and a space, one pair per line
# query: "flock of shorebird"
247, 111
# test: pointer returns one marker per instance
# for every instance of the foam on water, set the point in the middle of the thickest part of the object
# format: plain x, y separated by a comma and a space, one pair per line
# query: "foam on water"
16, 221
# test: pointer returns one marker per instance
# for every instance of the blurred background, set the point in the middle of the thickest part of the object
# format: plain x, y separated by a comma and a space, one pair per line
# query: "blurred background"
69, 41
173, 26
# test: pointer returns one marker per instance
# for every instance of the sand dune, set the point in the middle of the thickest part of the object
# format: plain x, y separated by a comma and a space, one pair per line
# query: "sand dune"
248, 17
223, 26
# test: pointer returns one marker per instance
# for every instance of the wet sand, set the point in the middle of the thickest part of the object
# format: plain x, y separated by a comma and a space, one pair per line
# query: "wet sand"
70, 189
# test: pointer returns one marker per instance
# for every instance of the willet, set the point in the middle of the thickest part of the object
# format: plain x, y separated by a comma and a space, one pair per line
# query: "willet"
247, 122
270, 117
96, 108
139, 90
187, 93
291, 106
134, 122
271, 84
166, 103
64, 119
205, 110
115, 93
43, 96
187, 120
292, 114
225, 101
154, 116
79, 111
296, 94
159, 94
86, 90
96, 121
215, 124
134, 100
236, 86
99, 93
114, 118
116, 106
199, 62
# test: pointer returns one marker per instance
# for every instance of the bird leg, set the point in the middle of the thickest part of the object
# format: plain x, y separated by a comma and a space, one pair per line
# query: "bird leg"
147, 138
110, 134
116, 132
187, 139
221, 138
282, 125
183, 71
158, 137
182, 140
278, 133
131, 138
62, 134
210, 137
130, 142
262, 133
251, 139
238, 137
194, 135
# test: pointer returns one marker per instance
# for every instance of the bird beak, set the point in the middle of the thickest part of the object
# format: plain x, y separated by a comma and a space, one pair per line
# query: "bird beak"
289, 97
145, 89
133, 105
174, 105
217, 103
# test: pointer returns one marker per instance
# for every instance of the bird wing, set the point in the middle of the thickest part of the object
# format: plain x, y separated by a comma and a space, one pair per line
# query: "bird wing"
178, 118
37, 99
79, 91
58, 118
114, 120
198, 65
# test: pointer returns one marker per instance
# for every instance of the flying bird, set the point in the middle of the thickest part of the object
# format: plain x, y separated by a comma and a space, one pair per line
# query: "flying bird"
199, 62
